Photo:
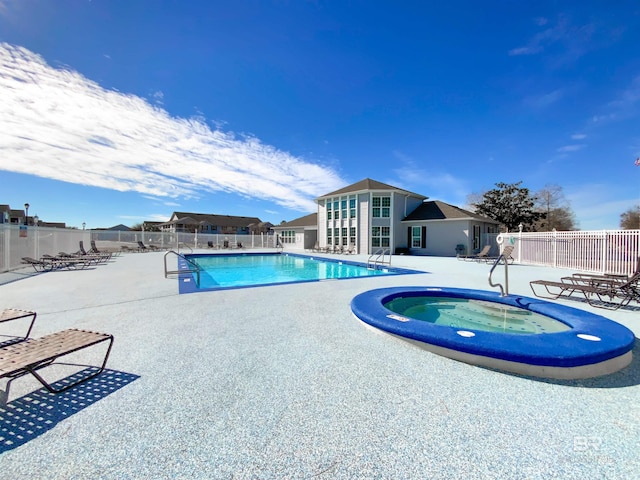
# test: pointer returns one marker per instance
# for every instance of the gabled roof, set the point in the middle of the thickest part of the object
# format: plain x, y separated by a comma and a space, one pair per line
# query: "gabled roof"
213, 219
119, 227
437, 210
310, 220
369, 184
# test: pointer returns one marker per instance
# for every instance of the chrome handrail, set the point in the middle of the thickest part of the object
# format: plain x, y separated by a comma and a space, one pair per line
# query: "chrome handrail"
504, 291
378, 261
196, 268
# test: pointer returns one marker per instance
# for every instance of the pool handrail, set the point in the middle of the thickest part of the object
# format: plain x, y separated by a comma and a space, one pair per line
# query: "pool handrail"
194, 267
504, 291
379, 258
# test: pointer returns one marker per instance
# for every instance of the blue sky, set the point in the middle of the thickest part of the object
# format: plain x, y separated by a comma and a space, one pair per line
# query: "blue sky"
122, 111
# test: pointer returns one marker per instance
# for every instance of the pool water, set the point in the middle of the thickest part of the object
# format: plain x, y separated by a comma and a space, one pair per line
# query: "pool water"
474, 314
248, 270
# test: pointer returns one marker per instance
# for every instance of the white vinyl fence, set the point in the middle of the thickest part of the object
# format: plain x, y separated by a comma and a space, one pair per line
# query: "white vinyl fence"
17, 241
602, 251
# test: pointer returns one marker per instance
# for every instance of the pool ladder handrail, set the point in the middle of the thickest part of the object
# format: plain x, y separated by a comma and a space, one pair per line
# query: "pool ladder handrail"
504, 291
194, 267
379, 258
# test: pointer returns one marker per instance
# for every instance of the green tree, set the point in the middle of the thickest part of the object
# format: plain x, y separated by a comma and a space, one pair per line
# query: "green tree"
630, 220
511, 205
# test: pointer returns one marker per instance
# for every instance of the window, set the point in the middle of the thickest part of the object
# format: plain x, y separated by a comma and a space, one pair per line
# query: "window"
476, 237
352, 235
380, 236
352, 208
329, 236
381, 207
416, 237
344, 236
288, 236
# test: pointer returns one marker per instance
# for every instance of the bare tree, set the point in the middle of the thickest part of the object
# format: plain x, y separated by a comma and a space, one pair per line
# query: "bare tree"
558, 213
630, 220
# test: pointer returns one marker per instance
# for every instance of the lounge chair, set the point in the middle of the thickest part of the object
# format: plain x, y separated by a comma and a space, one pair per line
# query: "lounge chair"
38, 265
91, 259
210, 244
142, 247
70, 263
611, 293
316, 247
10, 314
83, 252
95, 250
506, 254
351, 250
31, 355
482, 254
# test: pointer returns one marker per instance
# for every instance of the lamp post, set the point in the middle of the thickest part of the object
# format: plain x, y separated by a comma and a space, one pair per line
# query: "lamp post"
26, 214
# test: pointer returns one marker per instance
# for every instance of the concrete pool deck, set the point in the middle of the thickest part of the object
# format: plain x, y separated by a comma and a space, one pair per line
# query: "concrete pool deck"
284, 382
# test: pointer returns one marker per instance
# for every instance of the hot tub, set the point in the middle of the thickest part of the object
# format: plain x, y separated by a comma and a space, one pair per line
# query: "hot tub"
515, 333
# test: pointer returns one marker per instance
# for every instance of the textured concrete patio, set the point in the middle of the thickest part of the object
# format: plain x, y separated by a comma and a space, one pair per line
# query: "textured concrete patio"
284, 382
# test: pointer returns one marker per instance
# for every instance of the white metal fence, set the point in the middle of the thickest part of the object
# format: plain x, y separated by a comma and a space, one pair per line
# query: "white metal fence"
17, 241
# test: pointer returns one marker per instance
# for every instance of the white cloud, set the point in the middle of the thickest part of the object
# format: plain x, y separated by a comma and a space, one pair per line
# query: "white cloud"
59, 125
571, 148
545, 100
435, 184
578, 136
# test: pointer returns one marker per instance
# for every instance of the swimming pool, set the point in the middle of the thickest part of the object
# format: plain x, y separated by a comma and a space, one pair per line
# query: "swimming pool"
568, 344
224, 271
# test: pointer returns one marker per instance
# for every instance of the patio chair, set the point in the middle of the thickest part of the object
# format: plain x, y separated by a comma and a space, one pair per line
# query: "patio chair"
610, 293
95, 250
91, 259
84, 253
31, 355
484, 253
38, 265
351, 250
210, 244
142, 247
506, 254
70, 263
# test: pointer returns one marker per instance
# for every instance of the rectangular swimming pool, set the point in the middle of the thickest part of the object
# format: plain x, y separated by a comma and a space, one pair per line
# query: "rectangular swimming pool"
223, 271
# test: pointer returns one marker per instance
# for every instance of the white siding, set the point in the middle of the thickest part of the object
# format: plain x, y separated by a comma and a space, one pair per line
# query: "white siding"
364, 228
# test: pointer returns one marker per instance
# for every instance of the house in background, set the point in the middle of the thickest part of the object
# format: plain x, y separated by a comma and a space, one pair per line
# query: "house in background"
17, 217
437, 228
209, 223
299, 233
372, 215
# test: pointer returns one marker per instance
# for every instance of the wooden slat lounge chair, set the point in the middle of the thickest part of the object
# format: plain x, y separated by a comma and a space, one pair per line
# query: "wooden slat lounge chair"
32, 355
38, 265
482, 254
94, 250
10, 314
506, 254
604, 293
69, 263
84, 253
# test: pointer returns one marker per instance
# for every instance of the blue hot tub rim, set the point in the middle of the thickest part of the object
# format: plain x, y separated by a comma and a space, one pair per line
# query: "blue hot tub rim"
558, 349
